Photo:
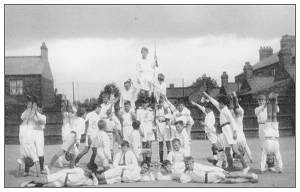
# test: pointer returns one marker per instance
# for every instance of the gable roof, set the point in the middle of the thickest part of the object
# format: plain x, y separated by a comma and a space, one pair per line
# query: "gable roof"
27, 65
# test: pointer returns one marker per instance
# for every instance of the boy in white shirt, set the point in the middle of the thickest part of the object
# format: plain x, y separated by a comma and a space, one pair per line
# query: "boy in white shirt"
91, 130
127, 117
125, 168
209, 125
146, 71
28, 151
113, 129
102, 143
69, 142
164, 131
182, 135
197, 173
270, 145
74, 177
135, 141
229, 127
145, 116
38, 133
129, 94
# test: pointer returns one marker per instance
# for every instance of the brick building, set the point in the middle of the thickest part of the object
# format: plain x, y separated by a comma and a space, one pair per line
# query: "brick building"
274, 72
29, 75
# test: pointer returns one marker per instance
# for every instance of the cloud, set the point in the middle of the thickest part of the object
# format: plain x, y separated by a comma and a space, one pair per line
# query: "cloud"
28, 23
94, 62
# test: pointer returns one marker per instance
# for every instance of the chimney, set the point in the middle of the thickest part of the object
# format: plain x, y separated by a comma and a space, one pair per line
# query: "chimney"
172, 85
265, 52
287, 41
248, 70
44, 51
224, 78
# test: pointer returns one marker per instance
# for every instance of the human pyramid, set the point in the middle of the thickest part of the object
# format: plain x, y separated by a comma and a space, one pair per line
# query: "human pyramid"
121, 140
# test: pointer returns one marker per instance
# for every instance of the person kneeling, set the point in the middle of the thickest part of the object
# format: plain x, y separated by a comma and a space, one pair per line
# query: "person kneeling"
125, 168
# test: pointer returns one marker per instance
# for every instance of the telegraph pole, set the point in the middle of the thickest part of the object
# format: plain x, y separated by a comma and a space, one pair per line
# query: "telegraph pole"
182, 87
73, 91
77, 91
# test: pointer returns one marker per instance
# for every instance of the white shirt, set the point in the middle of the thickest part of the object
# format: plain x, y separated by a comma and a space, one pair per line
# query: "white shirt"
144, 115
210, 121
239, 120
102, 141
131, 162
92, 118
127, 119
185, 141
105, 107
130, 95
176, 156
146, 69
161, 88
135, 142
261, 114
185, 116
112, 124
78, 127
225, 115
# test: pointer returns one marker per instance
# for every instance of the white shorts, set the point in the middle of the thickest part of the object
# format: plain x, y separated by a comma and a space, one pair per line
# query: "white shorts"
147, 129
127, 132
270, 146
39, 142
228, 136
241, 140
29, 150
164, 132
261, 127
90, 140
68, 141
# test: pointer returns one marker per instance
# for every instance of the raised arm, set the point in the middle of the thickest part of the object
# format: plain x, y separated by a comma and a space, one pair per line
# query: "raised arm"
198, 106
213, 101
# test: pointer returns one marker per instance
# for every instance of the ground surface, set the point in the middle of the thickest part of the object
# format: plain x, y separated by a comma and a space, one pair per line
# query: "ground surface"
200, 151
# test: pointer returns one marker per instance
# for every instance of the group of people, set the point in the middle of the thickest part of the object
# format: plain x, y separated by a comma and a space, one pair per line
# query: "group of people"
146, 115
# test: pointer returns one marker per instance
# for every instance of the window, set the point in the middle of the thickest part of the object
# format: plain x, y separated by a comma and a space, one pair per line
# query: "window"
16, 87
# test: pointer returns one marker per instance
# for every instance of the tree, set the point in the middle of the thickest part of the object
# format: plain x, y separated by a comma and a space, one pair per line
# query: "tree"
205, 81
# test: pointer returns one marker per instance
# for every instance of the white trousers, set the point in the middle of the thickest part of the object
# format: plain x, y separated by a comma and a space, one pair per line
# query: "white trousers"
115, 175
39, 141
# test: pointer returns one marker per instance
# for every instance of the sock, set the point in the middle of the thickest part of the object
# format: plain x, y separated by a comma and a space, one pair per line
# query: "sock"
168, 145
41, 161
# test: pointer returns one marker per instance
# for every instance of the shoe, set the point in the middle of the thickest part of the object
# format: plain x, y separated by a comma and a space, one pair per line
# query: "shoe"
279, 170
47, 170
245, 170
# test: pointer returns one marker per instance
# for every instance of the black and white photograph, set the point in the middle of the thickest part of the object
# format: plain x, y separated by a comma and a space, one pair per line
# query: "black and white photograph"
149, 95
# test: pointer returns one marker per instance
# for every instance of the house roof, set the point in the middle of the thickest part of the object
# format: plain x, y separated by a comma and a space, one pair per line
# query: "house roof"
257, 82
27, 65
267, 86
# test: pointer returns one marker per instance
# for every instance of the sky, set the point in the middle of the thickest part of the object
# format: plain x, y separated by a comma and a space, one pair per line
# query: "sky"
93, 45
